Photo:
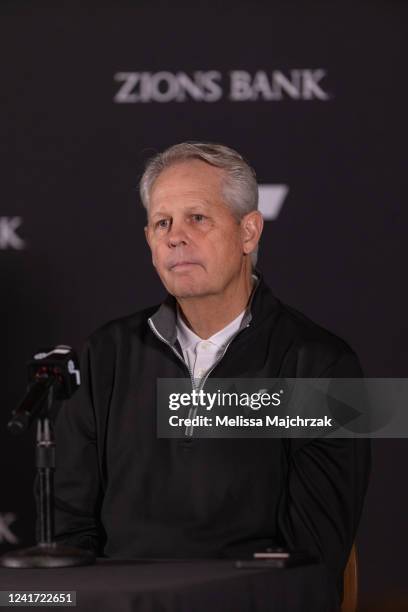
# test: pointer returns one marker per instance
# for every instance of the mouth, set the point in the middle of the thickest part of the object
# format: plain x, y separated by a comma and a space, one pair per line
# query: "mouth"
182, 265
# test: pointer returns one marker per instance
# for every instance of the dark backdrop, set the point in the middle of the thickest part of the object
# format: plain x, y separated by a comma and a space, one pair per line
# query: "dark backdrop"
324, 115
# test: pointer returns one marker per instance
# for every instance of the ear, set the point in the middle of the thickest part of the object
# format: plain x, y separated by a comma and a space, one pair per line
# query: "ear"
147, 234
149, 242
251, 228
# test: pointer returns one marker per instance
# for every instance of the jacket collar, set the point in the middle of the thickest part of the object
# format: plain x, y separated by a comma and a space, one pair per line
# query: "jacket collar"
163, 321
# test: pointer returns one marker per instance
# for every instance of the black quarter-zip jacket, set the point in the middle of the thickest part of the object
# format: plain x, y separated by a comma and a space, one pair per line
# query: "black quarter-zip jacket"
123, 492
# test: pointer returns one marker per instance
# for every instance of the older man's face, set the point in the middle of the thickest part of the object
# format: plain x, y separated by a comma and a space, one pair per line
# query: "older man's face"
197, 245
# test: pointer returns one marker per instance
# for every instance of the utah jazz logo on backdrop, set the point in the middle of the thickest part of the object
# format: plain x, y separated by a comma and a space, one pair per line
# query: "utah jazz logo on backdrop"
9, 238
271, 198
213, 85
6, 535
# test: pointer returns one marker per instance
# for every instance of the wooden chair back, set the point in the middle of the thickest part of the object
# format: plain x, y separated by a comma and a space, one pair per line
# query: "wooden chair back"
350, 583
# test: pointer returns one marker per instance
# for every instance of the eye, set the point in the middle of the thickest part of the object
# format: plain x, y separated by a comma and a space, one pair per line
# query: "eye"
162, 224
198, 218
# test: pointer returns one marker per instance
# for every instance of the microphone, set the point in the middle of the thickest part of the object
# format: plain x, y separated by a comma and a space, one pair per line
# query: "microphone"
54, 371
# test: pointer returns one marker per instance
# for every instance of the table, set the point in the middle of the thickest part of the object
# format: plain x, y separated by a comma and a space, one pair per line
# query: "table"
180, 586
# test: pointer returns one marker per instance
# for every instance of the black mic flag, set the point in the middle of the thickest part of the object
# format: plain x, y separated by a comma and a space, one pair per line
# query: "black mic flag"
55, 368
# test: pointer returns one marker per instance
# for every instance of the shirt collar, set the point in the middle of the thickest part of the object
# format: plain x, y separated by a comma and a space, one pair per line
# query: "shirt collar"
189, 339
164, 321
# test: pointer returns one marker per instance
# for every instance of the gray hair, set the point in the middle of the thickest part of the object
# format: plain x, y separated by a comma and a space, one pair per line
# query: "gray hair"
240, 187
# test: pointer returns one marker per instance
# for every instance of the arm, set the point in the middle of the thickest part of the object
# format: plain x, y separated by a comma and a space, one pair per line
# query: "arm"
326, 483
78, 491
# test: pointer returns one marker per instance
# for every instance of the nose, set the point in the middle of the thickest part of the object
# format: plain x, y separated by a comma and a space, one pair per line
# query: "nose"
177, 235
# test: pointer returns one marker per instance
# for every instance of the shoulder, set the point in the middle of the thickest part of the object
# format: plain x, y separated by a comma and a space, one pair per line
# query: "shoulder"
293, 328
318, 350
129, 328
307, 331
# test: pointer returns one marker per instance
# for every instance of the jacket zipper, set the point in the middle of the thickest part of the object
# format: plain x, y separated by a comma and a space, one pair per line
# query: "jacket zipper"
153, 328
193, 410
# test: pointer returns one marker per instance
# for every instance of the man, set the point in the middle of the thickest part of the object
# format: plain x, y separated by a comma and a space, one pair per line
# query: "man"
124, 492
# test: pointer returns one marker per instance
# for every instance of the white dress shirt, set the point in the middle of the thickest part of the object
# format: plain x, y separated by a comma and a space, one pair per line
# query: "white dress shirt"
200, 355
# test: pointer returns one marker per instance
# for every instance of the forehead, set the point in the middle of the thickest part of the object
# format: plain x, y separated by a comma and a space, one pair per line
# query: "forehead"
188, 181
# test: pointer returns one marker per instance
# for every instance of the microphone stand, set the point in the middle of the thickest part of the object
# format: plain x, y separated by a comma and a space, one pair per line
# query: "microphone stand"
47, 553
